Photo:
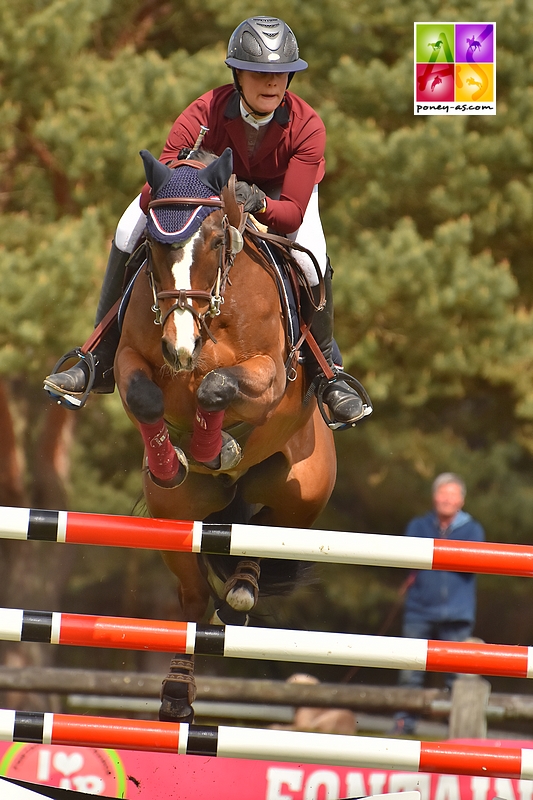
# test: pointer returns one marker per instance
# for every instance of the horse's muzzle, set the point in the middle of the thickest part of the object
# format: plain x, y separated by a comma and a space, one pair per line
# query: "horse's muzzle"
181, 359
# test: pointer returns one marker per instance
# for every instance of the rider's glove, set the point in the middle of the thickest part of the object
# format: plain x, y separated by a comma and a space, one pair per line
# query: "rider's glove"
250, 196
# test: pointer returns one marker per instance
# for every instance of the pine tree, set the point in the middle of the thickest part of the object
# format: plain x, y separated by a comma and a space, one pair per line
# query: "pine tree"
428, 222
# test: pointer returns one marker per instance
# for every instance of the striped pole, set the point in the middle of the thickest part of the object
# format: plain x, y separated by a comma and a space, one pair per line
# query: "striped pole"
312, 647
251, 743
266, 542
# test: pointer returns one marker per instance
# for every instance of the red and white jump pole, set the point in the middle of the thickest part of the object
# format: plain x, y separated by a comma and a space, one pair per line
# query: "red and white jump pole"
312, 647
251, 743
266, 542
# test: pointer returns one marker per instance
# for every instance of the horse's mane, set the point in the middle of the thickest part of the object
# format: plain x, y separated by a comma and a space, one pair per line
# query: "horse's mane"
201, 155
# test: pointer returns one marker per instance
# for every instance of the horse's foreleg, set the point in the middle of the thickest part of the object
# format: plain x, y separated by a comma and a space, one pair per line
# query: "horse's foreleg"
253, 380
167, 465
214, 395
251, 387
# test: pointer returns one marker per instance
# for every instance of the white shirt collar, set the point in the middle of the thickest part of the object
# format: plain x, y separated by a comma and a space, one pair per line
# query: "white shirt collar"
251, 120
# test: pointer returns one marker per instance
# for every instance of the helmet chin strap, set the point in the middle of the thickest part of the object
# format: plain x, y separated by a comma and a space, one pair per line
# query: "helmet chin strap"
252, 109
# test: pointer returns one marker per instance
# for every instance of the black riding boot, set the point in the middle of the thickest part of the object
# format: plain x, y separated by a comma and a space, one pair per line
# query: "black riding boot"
75, 380
343, 401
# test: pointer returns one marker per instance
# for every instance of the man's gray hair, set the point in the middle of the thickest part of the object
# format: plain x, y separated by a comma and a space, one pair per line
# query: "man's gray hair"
449, 477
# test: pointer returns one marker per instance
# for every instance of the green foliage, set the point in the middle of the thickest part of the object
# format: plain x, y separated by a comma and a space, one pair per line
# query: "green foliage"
429, 227
45, 271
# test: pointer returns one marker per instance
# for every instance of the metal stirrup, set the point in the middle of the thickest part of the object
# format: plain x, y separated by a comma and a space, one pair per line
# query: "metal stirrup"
63, 396
354, 384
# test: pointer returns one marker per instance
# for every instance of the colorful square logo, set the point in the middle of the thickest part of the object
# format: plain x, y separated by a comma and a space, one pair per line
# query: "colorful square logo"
455, 68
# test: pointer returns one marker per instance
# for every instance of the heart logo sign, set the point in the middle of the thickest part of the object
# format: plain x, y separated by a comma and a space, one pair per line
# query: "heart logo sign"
67, 764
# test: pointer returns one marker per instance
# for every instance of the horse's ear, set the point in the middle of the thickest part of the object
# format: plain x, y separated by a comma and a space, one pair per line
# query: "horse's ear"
217, 174
157, 174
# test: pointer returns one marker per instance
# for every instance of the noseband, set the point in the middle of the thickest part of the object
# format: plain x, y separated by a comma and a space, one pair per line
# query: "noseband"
232, 245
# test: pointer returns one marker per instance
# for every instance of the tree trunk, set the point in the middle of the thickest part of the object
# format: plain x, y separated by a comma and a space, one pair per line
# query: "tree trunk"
32, 574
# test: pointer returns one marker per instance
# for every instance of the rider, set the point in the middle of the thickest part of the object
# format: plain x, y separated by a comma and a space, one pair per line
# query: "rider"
278, 144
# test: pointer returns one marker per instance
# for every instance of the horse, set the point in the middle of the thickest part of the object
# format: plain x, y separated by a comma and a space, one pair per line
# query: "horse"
473, 44
217, 395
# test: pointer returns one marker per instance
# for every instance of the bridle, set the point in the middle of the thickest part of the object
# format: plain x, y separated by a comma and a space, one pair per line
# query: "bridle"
233, 243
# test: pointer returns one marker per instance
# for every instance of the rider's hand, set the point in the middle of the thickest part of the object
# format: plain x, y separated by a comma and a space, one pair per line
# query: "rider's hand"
250, 196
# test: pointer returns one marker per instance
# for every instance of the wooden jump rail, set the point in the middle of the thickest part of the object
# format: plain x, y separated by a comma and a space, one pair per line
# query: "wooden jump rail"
232, 641
266, 542
270, 745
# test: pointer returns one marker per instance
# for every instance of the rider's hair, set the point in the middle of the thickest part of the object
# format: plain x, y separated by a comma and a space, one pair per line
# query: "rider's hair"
449, 477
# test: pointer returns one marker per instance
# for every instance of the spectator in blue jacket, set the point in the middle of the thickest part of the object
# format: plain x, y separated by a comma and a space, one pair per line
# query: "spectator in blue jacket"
439, 605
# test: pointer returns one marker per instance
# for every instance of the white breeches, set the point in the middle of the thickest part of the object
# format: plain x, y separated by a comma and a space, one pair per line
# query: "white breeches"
309, 235
130, 227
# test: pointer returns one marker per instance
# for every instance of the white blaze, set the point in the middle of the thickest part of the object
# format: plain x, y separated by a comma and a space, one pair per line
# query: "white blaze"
184, 320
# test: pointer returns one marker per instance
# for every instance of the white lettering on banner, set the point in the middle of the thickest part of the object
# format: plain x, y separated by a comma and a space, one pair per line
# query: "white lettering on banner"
376, 782
44, 759
410, 782
323, 777
480, 788
90, 784
291, 783
448, 788
525, 789
278, 778
355, 785
504, 789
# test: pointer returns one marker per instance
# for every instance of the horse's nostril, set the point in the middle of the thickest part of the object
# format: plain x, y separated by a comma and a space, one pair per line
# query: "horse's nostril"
169, 353
180, 358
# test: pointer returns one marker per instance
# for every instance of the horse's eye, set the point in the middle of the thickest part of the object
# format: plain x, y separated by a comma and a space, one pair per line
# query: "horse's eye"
217, 242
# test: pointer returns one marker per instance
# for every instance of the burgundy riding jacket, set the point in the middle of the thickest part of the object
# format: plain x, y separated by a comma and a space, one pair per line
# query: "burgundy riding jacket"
288, 162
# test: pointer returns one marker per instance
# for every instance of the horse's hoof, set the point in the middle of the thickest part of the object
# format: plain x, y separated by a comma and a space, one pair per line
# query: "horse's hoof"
241, 598
175, 709
178, 691
230, 454
226, 615
241, 591
178, 478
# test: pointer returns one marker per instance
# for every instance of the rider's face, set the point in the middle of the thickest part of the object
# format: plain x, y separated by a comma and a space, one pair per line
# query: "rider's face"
448, 500
263, 90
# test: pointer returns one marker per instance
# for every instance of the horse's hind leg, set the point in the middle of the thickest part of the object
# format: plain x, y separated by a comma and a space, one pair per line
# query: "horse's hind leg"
239, 594
178, 691
237, 586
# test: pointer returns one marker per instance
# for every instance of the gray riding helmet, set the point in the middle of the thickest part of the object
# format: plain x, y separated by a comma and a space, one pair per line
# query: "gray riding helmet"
264, 44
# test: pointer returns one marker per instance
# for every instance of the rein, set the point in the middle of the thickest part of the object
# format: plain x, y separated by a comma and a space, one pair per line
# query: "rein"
232, 245
183, 297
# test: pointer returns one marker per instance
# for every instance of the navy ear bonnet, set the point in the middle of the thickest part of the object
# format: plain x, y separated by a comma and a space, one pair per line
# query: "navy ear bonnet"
176, 223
